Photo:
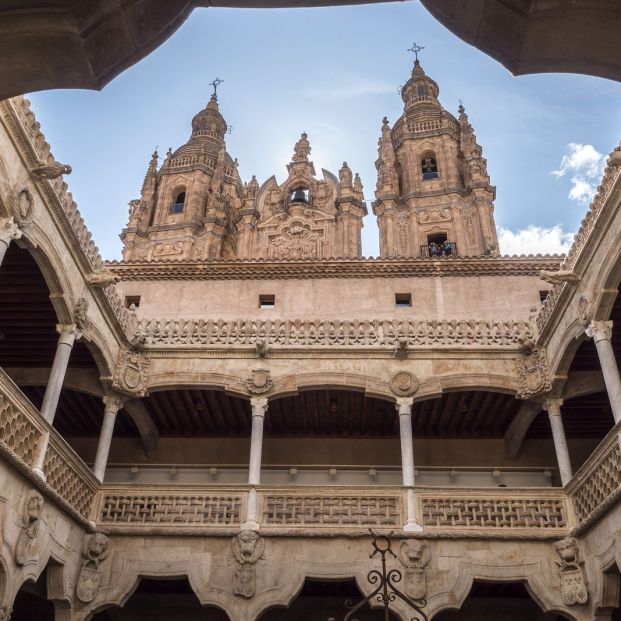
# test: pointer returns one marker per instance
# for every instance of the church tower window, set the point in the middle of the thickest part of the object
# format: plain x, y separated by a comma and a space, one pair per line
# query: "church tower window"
429, 167
179, 203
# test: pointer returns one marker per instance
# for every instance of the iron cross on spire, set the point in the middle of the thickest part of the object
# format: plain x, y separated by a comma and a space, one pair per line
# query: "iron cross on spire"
416, 49
215, 85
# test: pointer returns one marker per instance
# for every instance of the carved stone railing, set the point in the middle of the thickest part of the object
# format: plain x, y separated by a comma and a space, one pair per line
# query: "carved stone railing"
153, 506
596, 486
21, 429
333, 508
21, 433
333, 333
581, 238
69, 208
478, 508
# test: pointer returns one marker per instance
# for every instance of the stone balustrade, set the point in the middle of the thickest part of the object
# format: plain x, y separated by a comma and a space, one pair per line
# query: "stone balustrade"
335, 333
596, 486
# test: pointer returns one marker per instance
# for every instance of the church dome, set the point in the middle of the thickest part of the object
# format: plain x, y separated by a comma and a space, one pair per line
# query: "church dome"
419, 88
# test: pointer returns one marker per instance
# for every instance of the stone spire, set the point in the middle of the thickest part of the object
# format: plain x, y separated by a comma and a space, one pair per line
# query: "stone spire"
387, 179
149, 178
475, 165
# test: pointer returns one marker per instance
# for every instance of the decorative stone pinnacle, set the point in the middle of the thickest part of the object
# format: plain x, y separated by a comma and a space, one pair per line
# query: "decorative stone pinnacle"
599, 331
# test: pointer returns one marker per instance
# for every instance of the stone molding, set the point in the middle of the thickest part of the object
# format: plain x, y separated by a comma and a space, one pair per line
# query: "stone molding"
334, 333
334, 268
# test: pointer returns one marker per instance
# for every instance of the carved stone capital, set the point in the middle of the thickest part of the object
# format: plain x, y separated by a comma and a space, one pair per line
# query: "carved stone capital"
259, 406
599, 331
403, 384
552, 406
404, 406
9, 230
259, 383
533, 374
69, 333
113, 401
131, 373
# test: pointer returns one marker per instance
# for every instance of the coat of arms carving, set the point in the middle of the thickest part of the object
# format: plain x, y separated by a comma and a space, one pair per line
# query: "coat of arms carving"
404, 384
259, 383
573, 587
131, 373
415, 556
247, 548
533, 374
95, 550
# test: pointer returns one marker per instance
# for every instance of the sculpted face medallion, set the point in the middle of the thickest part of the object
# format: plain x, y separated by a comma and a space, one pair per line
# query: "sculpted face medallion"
404, 384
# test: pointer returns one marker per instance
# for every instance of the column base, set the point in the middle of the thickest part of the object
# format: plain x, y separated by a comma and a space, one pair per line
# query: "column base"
412, 527
250, 526
39, 473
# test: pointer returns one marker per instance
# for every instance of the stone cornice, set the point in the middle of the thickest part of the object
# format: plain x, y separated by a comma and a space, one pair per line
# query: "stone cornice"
334, 268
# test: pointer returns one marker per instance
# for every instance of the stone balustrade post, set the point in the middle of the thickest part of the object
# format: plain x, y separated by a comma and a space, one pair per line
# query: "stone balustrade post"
9, 230
68, 334
404, 409
553, 407
601, 333
259, 409
113, 402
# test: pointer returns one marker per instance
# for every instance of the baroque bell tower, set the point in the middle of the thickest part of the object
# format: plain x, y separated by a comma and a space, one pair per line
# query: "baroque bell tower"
433, 193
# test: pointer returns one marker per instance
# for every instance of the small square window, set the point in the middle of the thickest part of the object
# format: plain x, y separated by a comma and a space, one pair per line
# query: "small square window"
267, 300
132, 299
403, 300
543, 295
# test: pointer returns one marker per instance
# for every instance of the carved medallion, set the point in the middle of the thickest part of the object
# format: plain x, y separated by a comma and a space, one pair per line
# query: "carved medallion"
247, 548
415, 556
27, 546
95, 550
573, 587
131, 373
404, 384
533, 374
260, 382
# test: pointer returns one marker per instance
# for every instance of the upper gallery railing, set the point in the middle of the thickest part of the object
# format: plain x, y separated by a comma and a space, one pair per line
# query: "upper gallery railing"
333, 333
21, 433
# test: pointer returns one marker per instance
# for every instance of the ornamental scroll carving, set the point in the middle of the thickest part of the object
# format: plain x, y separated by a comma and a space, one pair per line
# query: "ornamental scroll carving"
533, 374
131, 373
403, 384
334, 333
27, 546
95, 550
573, 587
248, 549
415, 556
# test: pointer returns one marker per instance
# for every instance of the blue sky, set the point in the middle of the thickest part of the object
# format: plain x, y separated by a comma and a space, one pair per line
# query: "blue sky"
334, 73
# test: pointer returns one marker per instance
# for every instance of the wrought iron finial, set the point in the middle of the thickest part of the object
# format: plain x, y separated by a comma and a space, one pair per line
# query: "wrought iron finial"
416, 49
215, 85
384, 582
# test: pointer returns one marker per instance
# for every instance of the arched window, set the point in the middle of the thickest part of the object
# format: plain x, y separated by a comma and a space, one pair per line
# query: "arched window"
422, 91
178, 203
429, 167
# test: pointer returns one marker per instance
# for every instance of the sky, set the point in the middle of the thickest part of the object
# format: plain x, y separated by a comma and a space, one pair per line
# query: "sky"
334, 73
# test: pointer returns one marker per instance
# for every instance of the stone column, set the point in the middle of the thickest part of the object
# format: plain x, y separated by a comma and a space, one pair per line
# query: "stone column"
112, 404
68, 335
259, 409
404, 408
9, 230
601, 333
553, 406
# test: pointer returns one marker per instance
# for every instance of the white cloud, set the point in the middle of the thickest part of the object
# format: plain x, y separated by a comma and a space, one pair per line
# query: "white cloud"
347, 86
534, 240
586, 166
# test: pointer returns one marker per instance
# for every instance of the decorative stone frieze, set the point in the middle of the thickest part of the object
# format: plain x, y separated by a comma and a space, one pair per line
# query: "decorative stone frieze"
415, 555
131, 373
334, 333
248, 548
533, 374
403, 384
95, 550
259, 383
27, 546
573, 587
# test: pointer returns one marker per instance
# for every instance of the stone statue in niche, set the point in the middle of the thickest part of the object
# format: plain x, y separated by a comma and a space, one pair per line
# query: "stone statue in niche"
415, 556
345, 176
248, 548
573, 587
95, 550
27, 546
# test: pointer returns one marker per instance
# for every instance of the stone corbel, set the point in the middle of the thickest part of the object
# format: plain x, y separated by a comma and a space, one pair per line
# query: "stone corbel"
401, 349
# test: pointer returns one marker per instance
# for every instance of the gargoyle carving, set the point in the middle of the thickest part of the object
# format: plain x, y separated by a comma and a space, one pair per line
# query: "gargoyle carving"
95, 550
557, 278
102, 278
573, 587
51, 170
